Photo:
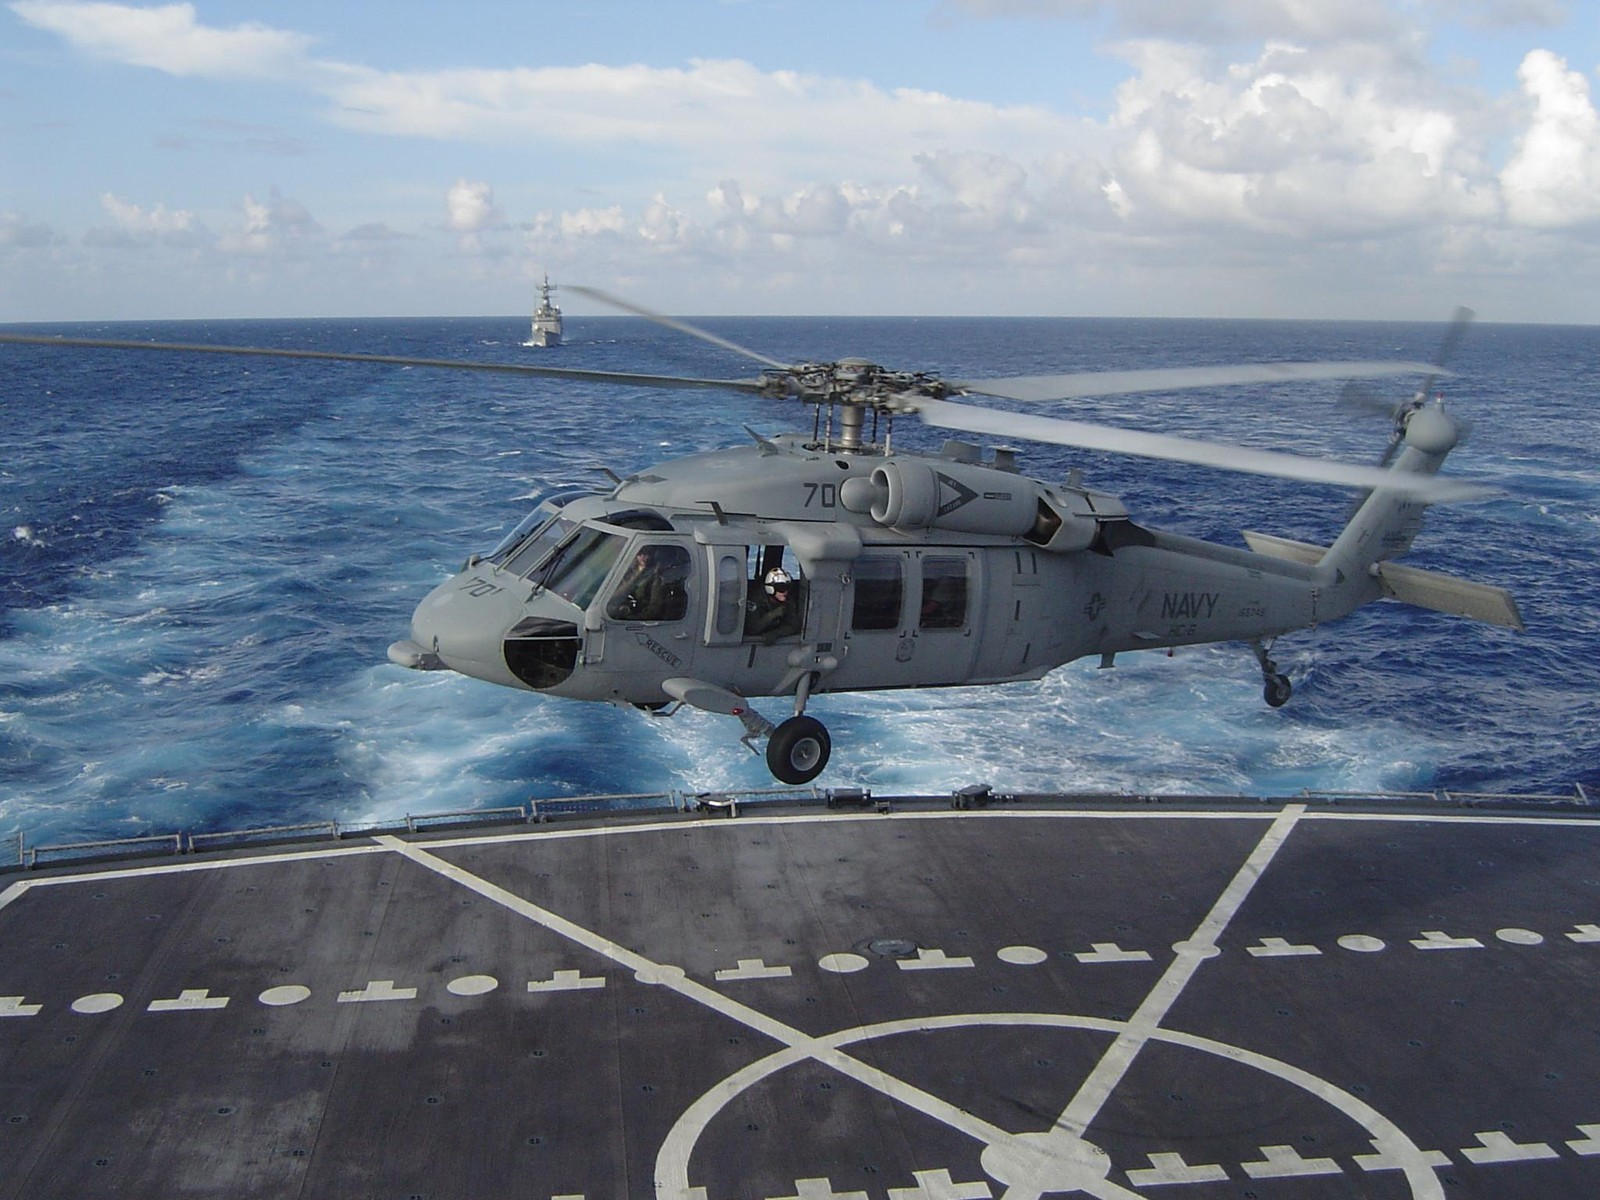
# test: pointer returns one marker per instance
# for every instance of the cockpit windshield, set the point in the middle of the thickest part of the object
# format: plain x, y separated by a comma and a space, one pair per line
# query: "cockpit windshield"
580, 565
533, 549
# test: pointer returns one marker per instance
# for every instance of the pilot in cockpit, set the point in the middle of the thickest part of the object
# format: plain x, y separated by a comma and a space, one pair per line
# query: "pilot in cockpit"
652, 589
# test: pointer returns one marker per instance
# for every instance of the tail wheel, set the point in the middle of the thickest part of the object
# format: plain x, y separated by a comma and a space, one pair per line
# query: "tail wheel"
798, 750
1278, 690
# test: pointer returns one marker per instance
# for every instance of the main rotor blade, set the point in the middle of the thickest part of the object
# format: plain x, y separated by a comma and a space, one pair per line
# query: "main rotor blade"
740, 385
639, 310
946, 415
1175, 379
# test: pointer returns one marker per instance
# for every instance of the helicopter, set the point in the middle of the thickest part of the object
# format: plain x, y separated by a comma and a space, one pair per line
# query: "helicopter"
830, 561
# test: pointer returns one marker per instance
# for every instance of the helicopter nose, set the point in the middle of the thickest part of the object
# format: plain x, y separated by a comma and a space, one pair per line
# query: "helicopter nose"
462, 625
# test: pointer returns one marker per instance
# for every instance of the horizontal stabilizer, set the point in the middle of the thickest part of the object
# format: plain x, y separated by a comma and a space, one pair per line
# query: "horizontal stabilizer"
1445, 593
1425, 589
1303, 553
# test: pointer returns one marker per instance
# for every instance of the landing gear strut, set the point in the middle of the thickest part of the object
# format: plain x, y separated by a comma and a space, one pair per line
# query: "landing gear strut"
1276, 688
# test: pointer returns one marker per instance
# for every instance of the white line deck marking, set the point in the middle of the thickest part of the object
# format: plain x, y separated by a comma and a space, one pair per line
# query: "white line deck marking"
13, 1006
1109, 1071
819, 1189
1586, 933
674, 978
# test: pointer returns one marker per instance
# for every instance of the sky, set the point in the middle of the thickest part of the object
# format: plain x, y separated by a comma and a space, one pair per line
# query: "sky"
1241, 158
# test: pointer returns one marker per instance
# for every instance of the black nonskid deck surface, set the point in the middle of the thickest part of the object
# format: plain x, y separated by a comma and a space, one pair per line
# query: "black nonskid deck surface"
916, 1006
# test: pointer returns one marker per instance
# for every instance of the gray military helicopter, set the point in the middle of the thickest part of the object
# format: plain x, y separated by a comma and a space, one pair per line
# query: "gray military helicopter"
830, 561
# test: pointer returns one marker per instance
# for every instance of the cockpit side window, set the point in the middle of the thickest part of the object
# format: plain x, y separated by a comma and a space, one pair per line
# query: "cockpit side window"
654, 587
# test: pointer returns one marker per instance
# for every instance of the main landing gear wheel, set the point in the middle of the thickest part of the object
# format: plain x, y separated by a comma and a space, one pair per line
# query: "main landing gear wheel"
798, 750
1277, 690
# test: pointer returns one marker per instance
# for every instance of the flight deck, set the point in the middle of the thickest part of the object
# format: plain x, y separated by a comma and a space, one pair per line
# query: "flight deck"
896, 1000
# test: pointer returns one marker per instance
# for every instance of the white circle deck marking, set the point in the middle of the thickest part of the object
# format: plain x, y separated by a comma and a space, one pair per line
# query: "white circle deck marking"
98, 1002
1361, 943
1022, 956
1520, 937
472, 985
288, 993
842, 964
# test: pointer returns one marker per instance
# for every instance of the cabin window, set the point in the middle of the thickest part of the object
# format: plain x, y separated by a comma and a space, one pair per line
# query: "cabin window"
654, 586
879, 587
774, 595
730, 595
944, 593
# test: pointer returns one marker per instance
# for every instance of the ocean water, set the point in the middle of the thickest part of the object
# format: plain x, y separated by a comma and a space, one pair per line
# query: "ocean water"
203, 559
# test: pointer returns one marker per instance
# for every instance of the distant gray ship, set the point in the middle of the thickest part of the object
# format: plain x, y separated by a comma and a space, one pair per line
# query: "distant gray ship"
546, 330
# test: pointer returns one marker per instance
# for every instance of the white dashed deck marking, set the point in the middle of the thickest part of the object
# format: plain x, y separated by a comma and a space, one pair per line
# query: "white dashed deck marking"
376, 991
939, 1185
1585, 933
97, 1002
842, 964
752, 968
1382, 1161
1438, 939
1021, 956
1170, 1168
472, 985
569, 981
285, 994
13, 1006
1497, 1147
1110, 952
1285, 1162
1277, 947
188, 1000
1589, 1144
934, 960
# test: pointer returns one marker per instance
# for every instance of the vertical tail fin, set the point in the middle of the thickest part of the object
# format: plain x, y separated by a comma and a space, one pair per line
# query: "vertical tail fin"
1385, 523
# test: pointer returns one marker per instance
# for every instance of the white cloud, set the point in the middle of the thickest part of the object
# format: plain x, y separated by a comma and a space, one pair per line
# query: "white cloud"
1553, 179
1214, 21
1287, 142
17, 231
470, 207
275, 226
169, 38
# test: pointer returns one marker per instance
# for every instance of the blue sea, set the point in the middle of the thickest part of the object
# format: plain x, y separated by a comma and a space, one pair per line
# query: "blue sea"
203, 559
